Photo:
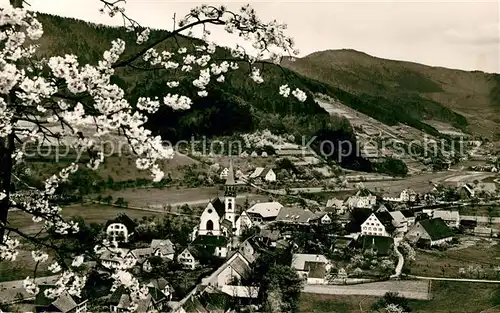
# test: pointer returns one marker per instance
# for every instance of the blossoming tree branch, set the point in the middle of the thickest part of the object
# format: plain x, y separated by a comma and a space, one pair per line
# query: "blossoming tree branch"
36, 94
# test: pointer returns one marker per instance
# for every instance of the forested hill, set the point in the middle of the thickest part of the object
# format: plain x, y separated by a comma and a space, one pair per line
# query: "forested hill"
393, 91
238, 104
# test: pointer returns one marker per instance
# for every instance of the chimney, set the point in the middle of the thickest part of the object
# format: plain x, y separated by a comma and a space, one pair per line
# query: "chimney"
317, 257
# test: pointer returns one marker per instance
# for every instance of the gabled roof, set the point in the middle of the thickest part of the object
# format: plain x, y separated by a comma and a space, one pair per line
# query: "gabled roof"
218, 206
64, 303
266, 209
386, 219
227, 224
295, 215
398, 218
446, 215
407, 213
299, 260
165, 245
160, 283
436, 228
123, 219
334, 202
363, 192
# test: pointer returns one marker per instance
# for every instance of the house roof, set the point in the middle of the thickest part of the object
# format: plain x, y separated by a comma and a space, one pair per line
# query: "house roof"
315, 269
363, 192
123, 219
436, 228
446, 215
257, 172
383, 245
227, 224
407, 213
116, 256
398, 218
295, 215
271, 234
386, 219
165, 245
64, 303
266, 209
334, 202
299, 260
142, 253
143, 304
230, 174
160, 283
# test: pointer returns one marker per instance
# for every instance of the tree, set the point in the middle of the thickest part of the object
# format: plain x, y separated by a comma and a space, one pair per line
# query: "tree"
86, 103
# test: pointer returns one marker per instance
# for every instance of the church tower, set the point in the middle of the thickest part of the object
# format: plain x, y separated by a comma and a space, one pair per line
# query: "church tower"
230, 196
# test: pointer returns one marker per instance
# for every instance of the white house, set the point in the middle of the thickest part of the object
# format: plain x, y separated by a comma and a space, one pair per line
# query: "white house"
264, 211
408, 195
263, 174
121, 228
378, 224
188, 258
432, 232
311, 267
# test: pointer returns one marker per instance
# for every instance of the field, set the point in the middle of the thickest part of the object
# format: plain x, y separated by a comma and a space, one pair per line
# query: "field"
118, 168
448, 297
479, 210
460, 297
91, 213
310, 303
483, 255
142, 197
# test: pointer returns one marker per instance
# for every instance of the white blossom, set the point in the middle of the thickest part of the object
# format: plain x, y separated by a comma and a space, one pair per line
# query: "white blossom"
173, 84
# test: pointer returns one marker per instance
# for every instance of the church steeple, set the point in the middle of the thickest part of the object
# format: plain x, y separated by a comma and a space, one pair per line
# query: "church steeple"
230, 196
230, 186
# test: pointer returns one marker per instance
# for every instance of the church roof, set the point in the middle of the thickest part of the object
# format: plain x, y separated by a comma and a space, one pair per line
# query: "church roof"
218, 206
230, 175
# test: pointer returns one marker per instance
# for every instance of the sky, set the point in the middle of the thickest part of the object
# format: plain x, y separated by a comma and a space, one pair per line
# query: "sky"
454, 34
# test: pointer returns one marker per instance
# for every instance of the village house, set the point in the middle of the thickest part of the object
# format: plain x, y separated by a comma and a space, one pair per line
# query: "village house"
335, 205
262, 174
188, 258
378, 224
311, 267
234, 269
361, 202
399, 221
114, 258
120, 229
156, 301
296, 215
163, 248
451, 218
264, 212
64, 303
431, 232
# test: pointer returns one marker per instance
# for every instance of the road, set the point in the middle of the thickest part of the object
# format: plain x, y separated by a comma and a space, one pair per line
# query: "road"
401, 261
410, 289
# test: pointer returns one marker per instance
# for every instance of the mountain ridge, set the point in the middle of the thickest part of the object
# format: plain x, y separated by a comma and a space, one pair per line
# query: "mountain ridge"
471, 94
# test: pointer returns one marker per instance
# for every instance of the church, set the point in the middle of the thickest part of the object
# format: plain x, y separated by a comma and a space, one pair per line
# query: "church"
221, 218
